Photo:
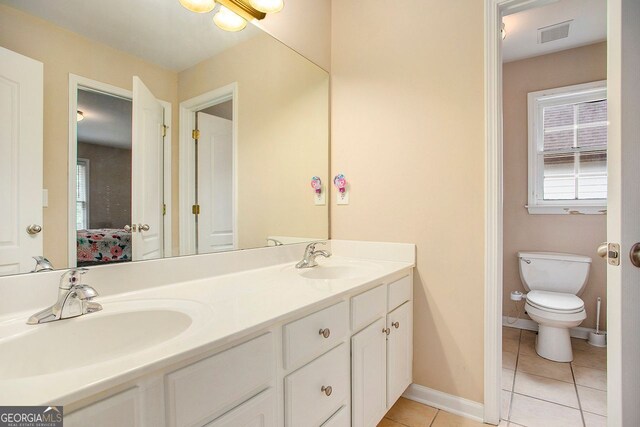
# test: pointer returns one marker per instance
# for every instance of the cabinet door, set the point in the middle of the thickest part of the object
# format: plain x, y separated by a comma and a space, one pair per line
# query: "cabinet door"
368, 368
122, 410
399, 351
257, 412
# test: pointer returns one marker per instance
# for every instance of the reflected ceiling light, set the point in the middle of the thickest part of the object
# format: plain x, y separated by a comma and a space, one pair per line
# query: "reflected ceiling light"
228, 20
503, 32
80, 116
267, 6
199, 6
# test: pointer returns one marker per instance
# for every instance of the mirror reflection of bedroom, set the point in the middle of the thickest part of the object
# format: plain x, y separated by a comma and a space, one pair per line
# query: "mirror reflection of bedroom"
103, 202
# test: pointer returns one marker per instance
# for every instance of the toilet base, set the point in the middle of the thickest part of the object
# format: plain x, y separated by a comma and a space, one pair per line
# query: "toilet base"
554, 344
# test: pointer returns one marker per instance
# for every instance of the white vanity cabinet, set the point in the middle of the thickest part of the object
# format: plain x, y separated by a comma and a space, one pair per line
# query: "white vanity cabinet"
344, 364
382, 353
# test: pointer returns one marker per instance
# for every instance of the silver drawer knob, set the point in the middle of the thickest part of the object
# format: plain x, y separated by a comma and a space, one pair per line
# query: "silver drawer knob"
327, 390
386, 331
143, 227
396, 325
325, 332
34, 229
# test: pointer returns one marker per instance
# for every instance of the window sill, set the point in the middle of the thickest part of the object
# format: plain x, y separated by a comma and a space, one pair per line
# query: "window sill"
567, 210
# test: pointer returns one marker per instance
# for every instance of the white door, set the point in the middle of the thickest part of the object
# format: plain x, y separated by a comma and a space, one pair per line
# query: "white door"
21, 115
368, 375
147, 191
215, 184
399, 351
623, 212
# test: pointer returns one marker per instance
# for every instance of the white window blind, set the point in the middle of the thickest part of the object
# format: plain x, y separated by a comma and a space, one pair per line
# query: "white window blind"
82, 194
568, 150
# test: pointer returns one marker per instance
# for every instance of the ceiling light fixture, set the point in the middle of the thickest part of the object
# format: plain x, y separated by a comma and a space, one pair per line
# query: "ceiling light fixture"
199, 6
233, 15
80, 116
267, 6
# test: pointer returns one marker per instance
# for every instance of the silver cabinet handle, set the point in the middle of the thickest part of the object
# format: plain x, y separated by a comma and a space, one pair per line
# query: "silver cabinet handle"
327, 390
325, 332
128, 228
386, 331
34, 229
143, 227
396, 325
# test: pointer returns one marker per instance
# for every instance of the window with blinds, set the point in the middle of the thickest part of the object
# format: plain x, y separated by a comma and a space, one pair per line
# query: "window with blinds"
568, 150
82, 194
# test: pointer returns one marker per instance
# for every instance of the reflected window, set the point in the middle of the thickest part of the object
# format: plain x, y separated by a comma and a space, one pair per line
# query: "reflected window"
82, 192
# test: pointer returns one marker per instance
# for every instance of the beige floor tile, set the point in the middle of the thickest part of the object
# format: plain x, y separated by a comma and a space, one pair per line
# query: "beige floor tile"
509, 360
592, 400
580, 345
528, 343
546, 389
589, 377
506, 405
510, 345
510, 333
445, 419
386, 422
411, 414
593, 420
593, 358
532, 412
542, 367
507, 379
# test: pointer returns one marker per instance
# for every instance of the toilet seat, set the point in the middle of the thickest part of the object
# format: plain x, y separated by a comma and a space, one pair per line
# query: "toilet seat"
555, 302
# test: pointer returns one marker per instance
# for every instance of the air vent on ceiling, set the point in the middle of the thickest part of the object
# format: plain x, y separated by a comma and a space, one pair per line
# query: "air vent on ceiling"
554, 32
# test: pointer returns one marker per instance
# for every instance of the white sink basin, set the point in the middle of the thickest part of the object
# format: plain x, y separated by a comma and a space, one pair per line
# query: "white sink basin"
338, 270
119, 330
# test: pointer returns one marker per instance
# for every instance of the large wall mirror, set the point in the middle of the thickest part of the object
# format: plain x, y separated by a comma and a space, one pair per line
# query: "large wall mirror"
134, 130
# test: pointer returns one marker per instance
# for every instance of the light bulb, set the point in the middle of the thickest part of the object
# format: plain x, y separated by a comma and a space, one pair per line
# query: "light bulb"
80, 116
199, 6
267, 6
228, 20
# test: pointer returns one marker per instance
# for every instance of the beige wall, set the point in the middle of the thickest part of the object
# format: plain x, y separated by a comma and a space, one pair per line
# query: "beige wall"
580, 234
408, 133
64, 52
304, 25
282, 135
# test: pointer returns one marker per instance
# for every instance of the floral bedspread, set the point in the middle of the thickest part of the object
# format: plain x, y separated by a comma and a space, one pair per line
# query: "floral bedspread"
103, 245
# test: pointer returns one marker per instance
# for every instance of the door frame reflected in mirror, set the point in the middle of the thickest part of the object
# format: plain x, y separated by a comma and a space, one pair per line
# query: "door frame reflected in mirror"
76, 83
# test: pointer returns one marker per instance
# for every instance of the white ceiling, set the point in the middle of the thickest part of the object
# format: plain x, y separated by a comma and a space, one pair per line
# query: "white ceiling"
160, 31
107, 120
589, 26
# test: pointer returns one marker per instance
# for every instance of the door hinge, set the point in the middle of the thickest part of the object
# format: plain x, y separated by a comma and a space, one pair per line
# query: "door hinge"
195, 209
195, 134
164, 209
164, 130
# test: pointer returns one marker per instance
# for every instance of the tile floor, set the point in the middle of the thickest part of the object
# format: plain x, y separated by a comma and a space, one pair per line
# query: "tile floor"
536, 392
539, 392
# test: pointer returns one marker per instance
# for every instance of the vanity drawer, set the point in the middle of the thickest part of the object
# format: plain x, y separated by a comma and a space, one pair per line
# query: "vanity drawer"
302, 339
400, 292
306, 404
206, 389
368, 307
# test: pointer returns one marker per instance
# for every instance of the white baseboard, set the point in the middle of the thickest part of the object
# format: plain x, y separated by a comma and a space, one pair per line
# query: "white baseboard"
531, 325
447, 402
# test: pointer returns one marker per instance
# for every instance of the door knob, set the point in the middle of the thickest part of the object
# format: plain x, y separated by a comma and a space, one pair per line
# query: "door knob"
634, 254
143, 227
34, 229
602, 250
130, 228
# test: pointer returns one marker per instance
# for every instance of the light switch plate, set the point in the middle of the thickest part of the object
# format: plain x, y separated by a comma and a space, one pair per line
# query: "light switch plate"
342, 198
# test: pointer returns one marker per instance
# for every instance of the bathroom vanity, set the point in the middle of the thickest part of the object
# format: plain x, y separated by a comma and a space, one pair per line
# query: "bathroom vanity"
244, 339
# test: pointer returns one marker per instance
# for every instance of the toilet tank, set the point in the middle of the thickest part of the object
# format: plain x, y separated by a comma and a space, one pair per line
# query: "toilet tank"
554, 272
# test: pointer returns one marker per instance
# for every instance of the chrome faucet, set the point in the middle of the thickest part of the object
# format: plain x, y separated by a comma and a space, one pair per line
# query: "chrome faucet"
74, 299
310, 254
42, 264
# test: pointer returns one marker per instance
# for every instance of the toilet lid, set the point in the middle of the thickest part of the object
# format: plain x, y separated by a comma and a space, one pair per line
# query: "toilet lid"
555, 301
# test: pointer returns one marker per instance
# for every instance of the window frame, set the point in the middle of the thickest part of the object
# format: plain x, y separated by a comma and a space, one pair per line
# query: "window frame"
537, 101
87, 176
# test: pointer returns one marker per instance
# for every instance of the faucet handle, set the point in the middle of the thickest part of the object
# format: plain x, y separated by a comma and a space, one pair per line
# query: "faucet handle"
312, 246
75, 277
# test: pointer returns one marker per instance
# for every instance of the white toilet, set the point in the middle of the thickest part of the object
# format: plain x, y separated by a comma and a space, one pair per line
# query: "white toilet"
554, 281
